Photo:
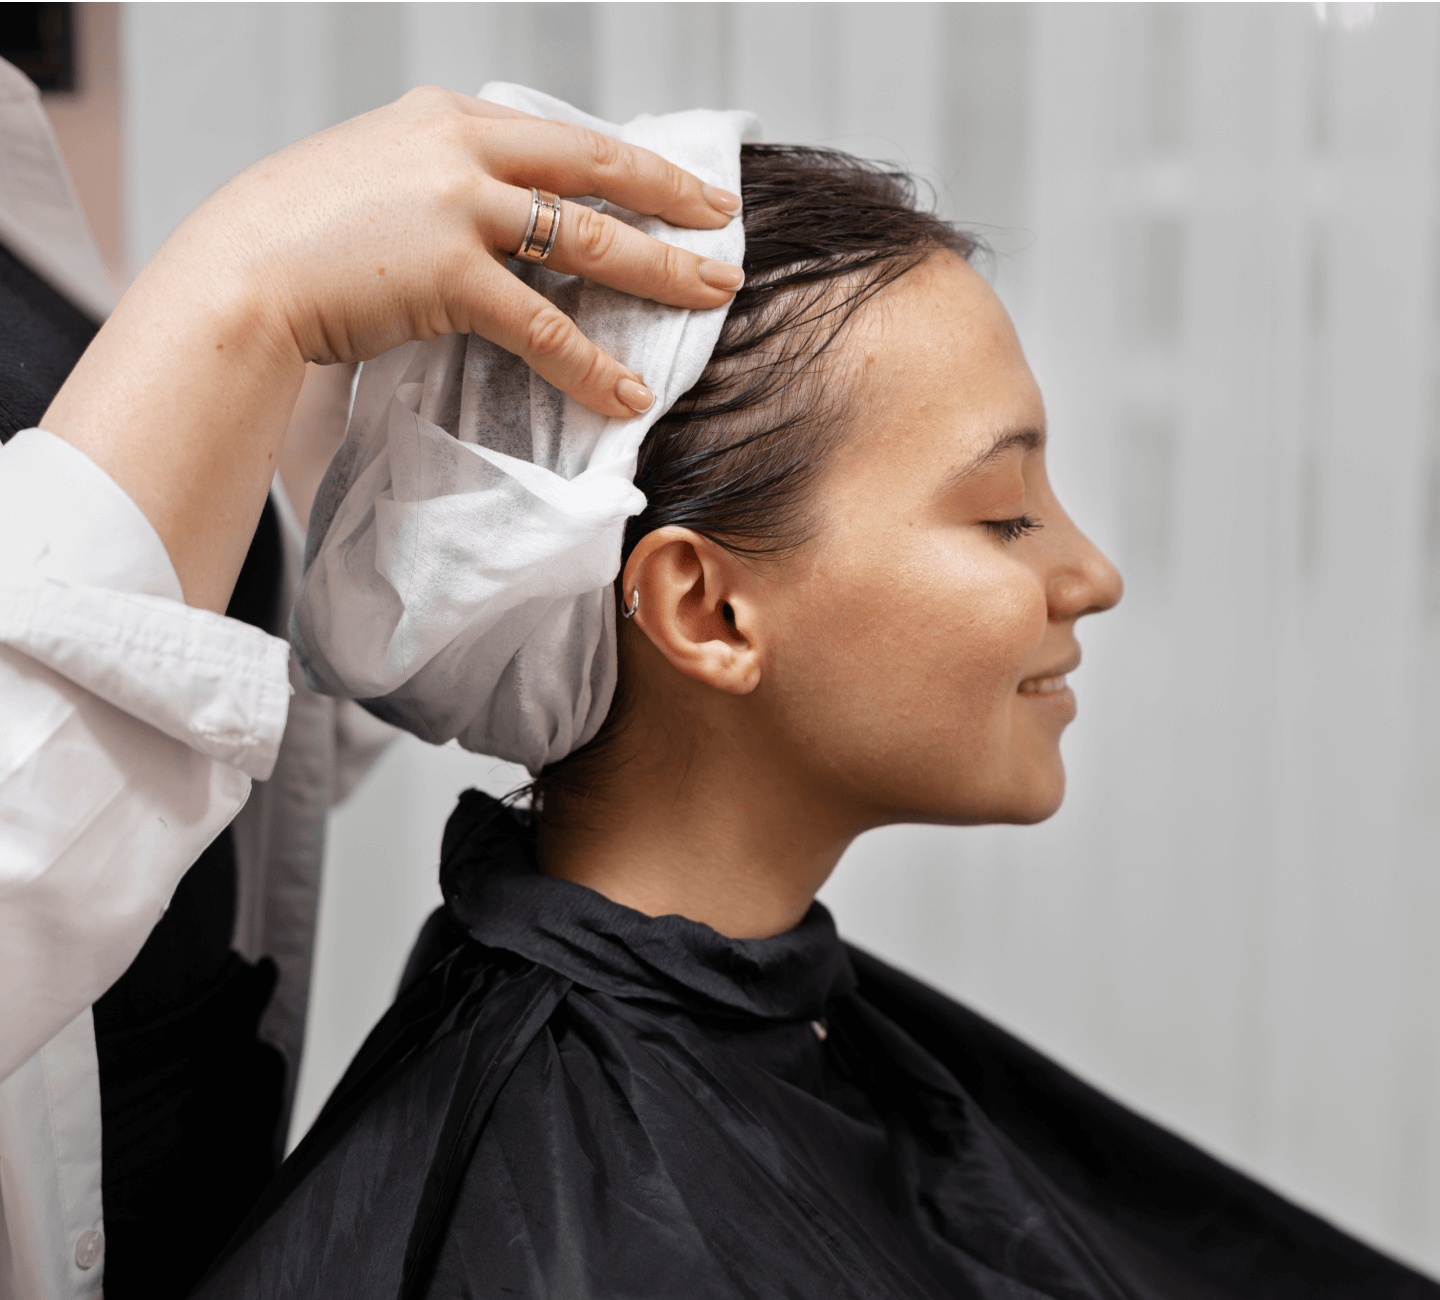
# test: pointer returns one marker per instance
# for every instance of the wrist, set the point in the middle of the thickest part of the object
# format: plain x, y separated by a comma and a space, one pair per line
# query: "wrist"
183, 399
224, 299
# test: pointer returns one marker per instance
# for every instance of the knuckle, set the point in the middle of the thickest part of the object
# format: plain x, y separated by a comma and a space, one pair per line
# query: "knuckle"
454, 192
452, 128
436, 119
630, 163
426, 97
595, 372
594, 234
679, 184
674, 265
548, 332
602, 152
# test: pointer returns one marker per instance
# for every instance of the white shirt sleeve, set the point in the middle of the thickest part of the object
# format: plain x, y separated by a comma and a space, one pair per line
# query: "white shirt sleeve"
130, 728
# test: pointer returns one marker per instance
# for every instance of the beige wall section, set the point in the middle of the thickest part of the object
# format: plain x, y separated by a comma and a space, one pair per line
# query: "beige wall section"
87, 124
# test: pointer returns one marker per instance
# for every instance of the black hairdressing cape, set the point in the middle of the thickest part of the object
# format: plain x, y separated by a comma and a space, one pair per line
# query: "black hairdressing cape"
570, 1099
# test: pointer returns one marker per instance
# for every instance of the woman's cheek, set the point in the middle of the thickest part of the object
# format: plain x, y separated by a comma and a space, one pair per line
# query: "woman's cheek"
1027, 621
1002, 616
912, 644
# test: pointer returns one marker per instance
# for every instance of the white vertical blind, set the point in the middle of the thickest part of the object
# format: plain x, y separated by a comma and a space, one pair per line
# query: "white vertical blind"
1217, 230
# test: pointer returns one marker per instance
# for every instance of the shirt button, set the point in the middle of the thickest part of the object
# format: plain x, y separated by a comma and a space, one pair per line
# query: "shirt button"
89, 1248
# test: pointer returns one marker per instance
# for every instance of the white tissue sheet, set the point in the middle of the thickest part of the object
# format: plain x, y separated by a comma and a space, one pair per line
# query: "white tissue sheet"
465, 538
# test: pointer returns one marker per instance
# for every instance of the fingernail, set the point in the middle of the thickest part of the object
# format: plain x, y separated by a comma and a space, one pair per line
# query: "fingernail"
721, 200
720, 275
635, 395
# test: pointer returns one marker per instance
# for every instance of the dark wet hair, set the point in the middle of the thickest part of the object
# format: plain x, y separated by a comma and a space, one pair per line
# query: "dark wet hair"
735, 457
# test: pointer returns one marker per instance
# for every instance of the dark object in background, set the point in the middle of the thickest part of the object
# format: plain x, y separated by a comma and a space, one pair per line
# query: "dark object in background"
40, 41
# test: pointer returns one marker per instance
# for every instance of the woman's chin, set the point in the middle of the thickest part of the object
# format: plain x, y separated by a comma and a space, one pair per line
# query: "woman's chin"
1038, 790
1034, 795
1041, 807
1044, 790
1034, 800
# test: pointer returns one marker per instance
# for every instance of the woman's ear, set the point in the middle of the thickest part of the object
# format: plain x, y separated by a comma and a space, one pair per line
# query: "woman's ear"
696, 604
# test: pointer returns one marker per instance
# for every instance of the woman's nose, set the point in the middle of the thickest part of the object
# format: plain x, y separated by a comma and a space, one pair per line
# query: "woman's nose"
1085, 582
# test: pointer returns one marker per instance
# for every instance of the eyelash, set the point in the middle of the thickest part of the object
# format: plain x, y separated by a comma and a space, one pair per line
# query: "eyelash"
1010, 530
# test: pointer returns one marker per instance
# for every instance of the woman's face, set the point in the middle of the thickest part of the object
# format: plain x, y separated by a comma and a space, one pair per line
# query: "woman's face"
917, 648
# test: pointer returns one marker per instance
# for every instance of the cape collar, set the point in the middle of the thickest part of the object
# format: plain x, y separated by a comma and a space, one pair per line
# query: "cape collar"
491, 885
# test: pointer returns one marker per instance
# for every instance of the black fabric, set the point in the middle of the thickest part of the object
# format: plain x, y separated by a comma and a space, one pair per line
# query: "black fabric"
189, 1103
571, 1099
190, 1098
256, 597
184, 956
42, 335
1134, 1181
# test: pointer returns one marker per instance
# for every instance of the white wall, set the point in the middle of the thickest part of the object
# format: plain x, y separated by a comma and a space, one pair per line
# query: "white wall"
1217, 229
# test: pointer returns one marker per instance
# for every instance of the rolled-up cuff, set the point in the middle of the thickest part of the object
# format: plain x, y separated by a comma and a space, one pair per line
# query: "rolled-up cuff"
213, 683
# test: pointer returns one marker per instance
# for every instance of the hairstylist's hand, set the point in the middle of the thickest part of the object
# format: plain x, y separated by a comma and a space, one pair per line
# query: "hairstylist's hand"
390, 227
397, 225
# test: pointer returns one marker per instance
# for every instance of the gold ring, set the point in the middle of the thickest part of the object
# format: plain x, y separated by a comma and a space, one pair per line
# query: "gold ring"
544, 226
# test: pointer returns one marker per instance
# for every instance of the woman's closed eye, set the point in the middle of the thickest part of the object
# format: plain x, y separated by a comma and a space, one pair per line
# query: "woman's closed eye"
1010, 530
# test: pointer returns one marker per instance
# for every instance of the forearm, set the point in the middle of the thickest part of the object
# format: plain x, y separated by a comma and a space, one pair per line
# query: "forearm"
183, 399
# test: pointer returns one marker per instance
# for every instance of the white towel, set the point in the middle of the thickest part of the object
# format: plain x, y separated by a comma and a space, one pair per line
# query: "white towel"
466, 536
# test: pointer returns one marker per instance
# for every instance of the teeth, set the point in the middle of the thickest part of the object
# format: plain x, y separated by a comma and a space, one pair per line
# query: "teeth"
1043, 685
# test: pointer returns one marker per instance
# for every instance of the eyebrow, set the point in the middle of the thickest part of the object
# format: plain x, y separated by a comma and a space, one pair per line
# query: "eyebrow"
1029, 439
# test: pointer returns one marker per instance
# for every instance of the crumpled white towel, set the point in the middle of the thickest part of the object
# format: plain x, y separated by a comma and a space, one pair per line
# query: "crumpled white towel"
464, 541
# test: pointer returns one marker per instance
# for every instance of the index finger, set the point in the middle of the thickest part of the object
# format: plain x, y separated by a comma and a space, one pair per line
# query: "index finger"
573, 160
510, 313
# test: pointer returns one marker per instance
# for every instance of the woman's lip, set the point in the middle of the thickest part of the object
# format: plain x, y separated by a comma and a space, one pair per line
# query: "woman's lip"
1052, 680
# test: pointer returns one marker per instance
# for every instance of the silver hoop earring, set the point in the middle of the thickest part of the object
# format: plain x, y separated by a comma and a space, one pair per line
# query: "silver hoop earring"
635, 608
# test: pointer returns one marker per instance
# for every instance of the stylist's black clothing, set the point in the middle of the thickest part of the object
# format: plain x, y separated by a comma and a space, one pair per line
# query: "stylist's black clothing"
571, 1099
42, 335
189, 1098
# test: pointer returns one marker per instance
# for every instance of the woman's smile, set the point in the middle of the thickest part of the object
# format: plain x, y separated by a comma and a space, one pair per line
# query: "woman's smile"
1051, 681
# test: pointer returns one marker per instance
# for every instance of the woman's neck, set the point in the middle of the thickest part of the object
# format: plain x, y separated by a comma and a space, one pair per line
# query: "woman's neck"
720, 838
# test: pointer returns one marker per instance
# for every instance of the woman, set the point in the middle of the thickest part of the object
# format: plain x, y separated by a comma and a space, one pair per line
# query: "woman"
630, 1055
